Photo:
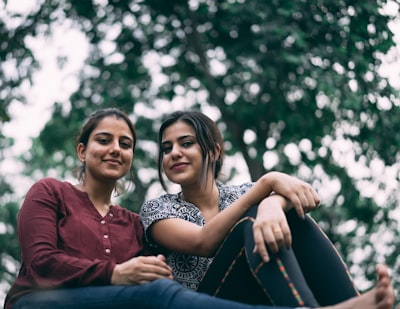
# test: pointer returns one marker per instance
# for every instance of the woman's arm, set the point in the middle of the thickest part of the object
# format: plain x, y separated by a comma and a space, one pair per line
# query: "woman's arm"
270, 226
182, 236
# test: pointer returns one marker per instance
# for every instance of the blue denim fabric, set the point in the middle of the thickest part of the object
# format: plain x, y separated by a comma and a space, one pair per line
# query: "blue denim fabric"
159, 294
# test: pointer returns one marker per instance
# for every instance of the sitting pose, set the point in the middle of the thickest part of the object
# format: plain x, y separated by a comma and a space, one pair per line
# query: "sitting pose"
81, 251
217, 242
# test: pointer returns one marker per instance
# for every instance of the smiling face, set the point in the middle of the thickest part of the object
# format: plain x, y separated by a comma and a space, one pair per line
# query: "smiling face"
182, 157
108, 154
207, 140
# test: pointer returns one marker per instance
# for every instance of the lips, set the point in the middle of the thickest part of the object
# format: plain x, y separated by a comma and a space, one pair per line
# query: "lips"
178, 166
114, 162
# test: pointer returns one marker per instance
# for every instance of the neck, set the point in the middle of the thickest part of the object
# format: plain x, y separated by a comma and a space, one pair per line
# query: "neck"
99, 194
205, 197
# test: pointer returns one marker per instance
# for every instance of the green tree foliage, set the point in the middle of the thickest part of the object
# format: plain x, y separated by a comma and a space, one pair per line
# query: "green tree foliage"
287, 81
17, 65
9, 247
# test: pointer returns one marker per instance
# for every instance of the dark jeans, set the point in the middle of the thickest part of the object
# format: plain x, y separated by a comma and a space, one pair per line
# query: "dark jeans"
159, 294
311, 273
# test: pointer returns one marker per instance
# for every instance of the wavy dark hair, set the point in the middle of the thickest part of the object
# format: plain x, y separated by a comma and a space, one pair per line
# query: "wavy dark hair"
208, 136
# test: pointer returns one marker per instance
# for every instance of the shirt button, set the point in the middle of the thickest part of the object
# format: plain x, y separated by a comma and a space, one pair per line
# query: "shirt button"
111, 215
108, 250
105, 236
102, 221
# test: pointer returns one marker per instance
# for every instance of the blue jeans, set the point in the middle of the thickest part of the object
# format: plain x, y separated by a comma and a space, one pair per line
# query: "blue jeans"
159, 294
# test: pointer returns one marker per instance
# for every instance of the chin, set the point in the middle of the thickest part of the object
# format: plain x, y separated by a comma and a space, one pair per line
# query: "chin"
113, 177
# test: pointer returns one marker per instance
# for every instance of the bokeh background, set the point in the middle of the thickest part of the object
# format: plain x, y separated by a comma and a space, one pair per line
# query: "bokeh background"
310, 88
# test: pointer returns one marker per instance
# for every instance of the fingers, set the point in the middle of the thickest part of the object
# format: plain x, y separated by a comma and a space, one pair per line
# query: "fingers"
140, 269
299, 210
302, 195
384, 296
161, 258
150, 276
155, 264
270, 228
260, 246
279, 237
148, 268
305, 196
272, 237
282, 236
382, 271
304, 199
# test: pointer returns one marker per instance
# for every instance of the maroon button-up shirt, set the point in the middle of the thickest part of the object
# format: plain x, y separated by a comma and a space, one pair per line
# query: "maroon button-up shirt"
65, 242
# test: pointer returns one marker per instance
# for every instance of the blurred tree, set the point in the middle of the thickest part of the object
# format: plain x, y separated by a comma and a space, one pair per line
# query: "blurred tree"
288, 82
17, 65
9, 249
9, 252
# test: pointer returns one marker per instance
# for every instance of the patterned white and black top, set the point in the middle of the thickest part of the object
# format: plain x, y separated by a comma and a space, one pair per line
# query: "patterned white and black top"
188, 270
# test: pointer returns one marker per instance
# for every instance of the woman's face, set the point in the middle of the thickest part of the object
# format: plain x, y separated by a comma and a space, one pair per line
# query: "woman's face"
109, 152
182, 159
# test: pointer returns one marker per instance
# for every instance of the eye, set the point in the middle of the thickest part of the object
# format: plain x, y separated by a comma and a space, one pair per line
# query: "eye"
103, 140
187, 144
166, 149
126, 144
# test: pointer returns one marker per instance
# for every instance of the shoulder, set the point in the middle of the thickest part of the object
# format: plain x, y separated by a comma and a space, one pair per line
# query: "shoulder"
159, 208
234, 189
164, 201
54, 189
51, 184
50, 193
230, 193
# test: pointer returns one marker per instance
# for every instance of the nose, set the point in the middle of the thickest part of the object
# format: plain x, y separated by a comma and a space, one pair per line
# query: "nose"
115, 147
176, 151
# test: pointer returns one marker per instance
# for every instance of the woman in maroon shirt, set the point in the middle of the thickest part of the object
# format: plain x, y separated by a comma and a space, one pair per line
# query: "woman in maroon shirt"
81, 251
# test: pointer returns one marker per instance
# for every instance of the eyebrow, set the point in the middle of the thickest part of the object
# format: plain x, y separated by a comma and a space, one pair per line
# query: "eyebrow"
179, 138
109, 134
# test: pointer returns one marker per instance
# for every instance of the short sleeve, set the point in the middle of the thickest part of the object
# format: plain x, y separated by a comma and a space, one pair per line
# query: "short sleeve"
229, 194
157, 209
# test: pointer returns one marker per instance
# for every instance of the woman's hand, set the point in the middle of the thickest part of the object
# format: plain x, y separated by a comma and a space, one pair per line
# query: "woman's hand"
139, 270
270, 227
300, 194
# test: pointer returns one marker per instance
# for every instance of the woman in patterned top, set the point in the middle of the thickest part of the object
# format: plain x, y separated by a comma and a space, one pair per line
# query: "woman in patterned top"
217, 242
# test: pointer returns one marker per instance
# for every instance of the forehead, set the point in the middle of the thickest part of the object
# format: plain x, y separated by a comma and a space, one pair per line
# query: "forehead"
113, 125
176, 130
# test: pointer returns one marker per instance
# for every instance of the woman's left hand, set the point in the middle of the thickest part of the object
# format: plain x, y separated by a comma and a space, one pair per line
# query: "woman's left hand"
301, 195
270, 227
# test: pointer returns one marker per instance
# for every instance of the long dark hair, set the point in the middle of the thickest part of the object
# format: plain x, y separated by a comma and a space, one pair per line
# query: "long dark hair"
208, 136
